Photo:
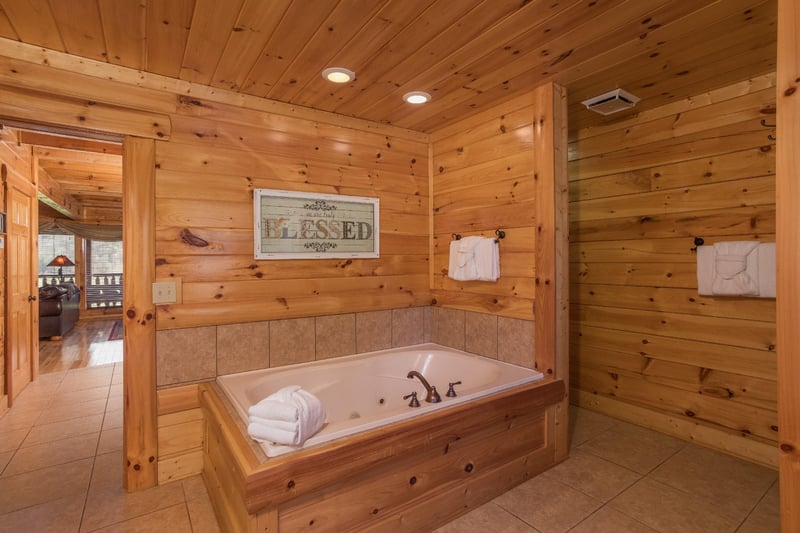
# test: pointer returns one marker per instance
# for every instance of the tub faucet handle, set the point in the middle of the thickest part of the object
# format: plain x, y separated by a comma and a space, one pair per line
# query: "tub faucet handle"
451, 392
435, 395
414, 402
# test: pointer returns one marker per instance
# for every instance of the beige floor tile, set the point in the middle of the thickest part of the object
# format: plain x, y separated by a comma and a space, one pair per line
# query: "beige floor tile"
57, 413
57, 516
52, 453
44, 485
194, 487
114, 403
607, 520
10, 440
173, 519
488, 517
634, 447
585, 424
113, 419
108, 503
76, 396
766, 517
110, 441
593, 475
63, 430
201, 515
548, 505
732, 485
83, 383
5, 457
669, 510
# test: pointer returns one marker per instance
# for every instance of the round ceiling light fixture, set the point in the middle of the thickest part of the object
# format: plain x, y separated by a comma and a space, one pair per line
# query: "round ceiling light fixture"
338, 74
417, 97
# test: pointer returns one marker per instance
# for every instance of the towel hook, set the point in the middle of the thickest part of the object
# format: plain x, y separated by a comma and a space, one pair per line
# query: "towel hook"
698, 241
456, 237
500, 235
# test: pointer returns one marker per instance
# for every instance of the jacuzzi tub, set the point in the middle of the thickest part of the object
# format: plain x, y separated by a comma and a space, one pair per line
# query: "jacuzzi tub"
365, 391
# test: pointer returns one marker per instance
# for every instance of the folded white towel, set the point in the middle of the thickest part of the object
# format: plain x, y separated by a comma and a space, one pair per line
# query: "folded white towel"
289, 416
487, 260
735, 270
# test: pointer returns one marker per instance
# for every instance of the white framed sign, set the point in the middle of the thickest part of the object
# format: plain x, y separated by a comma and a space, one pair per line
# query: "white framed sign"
298, 225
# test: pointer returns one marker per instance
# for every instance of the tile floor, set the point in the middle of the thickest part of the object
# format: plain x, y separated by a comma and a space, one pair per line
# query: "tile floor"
60, 472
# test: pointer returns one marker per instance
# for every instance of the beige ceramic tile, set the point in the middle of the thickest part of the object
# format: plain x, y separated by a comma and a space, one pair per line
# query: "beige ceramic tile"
548, 505
291, 341
112, 419
427, 324
585, 425
10, 440
700, 472
373, 331
408, 326
87, 382
242, 347
669, 510
110, 441
115, 391
488, 517
481, 334
194, 487
608, 520
108, 503
592, 475
515, 341
201, 515
5, 457
636, 448
44, 485
114, 403
79, 396
335, 335
174, 519
52, 453
184, 355
58, 413
20, 419
766, 517
56, 516
448, 327
63, 430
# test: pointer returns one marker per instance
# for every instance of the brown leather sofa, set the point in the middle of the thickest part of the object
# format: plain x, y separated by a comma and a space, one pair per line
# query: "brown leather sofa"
59, 309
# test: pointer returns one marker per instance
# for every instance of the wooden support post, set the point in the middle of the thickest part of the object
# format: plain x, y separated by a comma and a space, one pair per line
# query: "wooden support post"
551, 303
788, 257
140, 433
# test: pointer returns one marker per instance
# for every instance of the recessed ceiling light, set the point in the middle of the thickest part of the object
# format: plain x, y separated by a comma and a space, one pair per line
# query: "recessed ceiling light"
338, 74
417, 97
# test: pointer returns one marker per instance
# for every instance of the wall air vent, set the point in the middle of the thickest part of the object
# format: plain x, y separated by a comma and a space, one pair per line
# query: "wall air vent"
611, 102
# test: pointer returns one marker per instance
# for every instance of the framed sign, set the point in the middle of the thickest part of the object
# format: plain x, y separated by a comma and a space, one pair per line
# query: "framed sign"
297, 225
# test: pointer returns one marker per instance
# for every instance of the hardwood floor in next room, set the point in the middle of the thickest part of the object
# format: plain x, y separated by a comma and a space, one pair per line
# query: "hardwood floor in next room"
87, 344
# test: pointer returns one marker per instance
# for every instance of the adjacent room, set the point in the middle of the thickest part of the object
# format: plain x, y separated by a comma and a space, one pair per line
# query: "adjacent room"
419, 265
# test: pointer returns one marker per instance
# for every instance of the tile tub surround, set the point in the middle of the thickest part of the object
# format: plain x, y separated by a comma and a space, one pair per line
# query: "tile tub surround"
200, 354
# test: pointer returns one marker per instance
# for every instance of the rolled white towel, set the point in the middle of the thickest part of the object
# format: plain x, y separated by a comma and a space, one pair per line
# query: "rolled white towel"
269, 433
290, 416
487, 259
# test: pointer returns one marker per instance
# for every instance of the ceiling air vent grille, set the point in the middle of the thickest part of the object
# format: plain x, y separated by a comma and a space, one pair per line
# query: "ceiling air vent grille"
611, 102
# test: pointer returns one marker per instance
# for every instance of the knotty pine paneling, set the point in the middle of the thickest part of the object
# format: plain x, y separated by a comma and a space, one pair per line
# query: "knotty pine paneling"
483, 181
642, 337
225, 160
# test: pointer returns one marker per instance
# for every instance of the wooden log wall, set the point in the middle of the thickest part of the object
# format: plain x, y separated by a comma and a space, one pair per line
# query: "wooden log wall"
644, 345
205, 178
483, 181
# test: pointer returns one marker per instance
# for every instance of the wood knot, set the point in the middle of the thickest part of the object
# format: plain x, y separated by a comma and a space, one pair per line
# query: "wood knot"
290, 485
192, 240
131, 313
788, 448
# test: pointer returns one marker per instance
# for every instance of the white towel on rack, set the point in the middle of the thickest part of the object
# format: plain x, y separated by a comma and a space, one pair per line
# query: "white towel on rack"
736, 268
487, 260
462, 265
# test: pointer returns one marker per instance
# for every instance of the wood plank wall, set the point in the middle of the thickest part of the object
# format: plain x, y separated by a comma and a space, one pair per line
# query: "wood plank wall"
483, 181
218, 154
644, 345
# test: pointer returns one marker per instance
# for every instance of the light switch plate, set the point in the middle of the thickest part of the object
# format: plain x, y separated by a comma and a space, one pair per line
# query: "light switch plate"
165, 292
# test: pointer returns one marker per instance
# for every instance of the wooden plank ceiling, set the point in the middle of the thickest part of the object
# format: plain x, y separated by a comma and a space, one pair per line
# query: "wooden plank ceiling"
469, 54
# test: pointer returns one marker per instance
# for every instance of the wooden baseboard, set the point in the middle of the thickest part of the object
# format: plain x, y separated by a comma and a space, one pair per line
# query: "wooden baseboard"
724, 441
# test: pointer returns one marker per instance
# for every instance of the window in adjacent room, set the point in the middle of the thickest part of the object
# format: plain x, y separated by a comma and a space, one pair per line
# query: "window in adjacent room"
50, 247
103, 274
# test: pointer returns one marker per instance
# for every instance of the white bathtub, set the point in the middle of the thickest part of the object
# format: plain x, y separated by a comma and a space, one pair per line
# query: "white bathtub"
365, 391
